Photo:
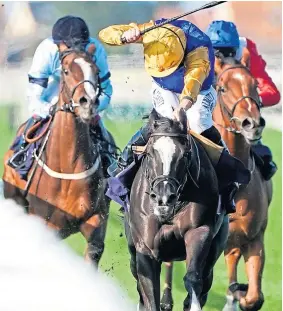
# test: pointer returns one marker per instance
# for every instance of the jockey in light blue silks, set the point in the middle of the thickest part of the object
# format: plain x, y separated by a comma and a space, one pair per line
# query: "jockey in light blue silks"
45, 71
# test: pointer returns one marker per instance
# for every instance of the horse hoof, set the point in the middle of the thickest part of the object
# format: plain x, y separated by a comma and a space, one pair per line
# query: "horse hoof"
166, 303
231, 304
166, 307
246, 305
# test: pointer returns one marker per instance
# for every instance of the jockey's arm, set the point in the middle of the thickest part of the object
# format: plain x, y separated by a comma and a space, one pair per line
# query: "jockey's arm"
38, 80
104, 77
112, 34
197, 67
267, 89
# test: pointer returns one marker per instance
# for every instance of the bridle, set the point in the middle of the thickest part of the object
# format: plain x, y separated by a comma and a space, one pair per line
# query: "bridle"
71, 105
174, 182
224, 108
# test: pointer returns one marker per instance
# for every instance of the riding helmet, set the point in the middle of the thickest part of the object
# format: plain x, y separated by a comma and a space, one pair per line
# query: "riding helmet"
71, 30
223, 34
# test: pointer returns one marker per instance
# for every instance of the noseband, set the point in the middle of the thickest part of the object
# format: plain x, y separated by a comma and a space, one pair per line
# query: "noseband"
224, 108
71, 105
176, 184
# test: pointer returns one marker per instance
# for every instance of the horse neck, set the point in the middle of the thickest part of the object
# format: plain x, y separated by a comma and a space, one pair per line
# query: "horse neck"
69, 145
236, 143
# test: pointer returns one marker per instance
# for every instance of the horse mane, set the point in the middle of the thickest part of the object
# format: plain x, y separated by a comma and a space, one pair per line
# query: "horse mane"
226, 60
77, 49
158, 123
230, 61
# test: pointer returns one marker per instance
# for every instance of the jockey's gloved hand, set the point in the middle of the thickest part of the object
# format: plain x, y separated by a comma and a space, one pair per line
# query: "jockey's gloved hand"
131, 35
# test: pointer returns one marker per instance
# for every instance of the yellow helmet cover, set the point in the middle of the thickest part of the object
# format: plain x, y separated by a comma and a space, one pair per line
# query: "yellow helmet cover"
164, 49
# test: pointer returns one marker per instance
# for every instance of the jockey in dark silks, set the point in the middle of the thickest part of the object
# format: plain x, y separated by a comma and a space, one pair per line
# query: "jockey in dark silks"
45, 72
226, 40
180, 59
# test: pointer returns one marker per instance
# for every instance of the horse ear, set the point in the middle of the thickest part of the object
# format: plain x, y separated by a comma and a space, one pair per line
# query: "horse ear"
62, 47
218, 65
91, 49
153, 115
245, 60
181, 117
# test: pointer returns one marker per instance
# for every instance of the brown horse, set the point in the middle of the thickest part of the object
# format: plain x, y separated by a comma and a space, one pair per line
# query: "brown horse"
237, 117
67, 187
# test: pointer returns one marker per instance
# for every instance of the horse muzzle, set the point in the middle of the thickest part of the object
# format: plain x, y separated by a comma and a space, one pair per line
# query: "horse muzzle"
252, 130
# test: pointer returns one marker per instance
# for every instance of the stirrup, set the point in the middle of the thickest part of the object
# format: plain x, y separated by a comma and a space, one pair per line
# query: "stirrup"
12, 162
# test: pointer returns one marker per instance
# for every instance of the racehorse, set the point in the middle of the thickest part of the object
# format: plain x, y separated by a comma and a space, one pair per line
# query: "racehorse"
237, 117
66, 184
173, 213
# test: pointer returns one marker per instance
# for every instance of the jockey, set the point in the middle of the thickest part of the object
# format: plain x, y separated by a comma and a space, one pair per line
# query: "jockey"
45, 71
180, 59
225, 39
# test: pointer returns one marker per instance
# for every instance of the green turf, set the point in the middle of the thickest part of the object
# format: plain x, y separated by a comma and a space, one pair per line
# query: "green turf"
115, 260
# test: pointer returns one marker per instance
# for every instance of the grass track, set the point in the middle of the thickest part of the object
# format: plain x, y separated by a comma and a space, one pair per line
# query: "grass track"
115, 261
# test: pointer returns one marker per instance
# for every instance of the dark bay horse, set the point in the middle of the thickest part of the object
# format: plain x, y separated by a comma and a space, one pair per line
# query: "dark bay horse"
67, 188
173, 214
237, 117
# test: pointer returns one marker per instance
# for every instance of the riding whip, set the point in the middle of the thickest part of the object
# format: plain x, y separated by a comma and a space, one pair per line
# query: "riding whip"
206, 6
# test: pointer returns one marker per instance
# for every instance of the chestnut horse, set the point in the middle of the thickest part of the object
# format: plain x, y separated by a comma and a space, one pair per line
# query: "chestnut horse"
237, 117
68, 185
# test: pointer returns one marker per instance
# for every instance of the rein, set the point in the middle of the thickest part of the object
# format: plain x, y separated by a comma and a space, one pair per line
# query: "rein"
66, 107
224, 108
230, 114
178, 185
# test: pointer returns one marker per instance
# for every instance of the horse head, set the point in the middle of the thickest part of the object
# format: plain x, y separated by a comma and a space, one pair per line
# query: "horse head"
166, 162
238, 99
79, 82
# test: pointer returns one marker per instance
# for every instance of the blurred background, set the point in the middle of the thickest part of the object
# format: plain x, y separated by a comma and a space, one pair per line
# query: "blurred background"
23, 25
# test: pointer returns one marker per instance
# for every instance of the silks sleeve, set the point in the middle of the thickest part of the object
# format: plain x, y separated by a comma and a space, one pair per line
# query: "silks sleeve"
197, 67
112, 35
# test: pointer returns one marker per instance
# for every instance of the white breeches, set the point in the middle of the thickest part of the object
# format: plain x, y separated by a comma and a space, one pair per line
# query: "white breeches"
199, 115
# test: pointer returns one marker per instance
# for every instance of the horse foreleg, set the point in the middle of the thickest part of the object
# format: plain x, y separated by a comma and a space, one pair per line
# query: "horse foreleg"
232, 257
254, 256
133, 263
198, 242
148, 271
94, 230
217, 247
167, 299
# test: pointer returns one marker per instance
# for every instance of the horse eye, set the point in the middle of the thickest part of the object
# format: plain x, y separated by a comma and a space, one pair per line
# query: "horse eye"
222, 89
65, 71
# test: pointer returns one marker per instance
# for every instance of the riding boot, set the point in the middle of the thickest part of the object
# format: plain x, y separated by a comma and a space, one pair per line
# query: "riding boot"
19, 155
127, 156
229, 192
263, 158
99, 133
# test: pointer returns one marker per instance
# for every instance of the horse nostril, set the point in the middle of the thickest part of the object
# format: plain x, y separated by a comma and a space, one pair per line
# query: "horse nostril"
262, 122
153, 196
171, 198
248, 124
83, 100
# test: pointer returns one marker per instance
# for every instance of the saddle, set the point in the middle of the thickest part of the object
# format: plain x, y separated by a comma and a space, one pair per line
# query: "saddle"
24, 147
228, 169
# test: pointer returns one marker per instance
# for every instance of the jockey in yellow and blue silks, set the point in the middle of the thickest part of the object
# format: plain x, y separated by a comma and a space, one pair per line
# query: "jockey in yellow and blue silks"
180, 59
